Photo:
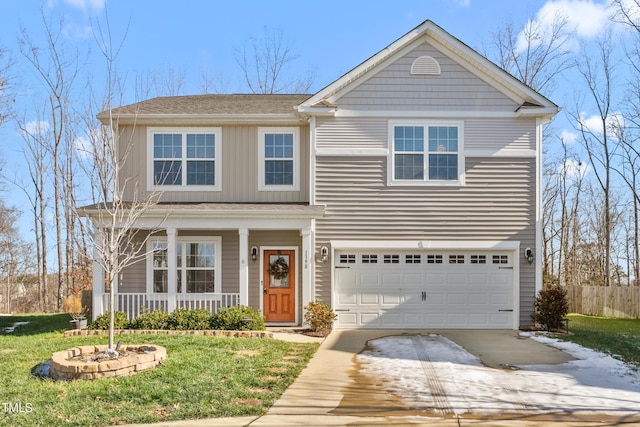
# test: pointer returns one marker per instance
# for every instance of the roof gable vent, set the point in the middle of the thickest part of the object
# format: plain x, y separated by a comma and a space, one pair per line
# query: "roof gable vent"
425, 66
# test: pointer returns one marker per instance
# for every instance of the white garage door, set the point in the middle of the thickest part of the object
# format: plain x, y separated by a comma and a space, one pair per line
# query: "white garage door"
424, 289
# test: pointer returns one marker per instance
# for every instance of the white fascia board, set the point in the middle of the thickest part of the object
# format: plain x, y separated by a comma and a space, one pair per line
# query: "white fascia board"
216, 224
317, 111
505, 245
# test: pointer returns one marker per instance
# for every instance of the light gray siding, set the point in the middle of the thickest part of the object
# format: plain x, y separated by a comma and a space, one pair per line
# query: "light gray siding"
497, 203
393, 88
239, 165
488, 134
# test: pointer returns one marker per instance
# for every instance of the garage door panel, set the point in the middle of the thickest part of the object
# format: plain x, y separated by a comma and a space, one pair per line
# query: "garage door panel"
410, 292
369, 299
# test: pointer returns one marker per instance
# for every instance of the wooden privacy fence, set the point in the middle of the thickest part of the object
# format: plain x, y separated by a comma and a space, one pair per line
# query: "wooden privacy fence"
613, 301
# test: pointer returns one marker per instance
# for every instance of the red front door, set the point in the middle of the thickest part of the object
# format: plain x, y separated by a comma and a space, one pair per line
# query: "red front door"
279, 286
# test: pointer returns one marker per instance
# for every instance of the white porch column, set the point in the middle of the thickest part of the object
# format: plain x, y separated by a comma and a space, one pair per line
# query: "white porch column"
172, 270
244, 266
307, 266
97, 302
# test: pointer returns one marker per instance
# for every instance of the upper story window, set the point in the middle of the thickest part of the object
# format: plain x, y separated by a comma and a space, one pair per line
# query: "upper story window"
184, 159
279, 159
425, 153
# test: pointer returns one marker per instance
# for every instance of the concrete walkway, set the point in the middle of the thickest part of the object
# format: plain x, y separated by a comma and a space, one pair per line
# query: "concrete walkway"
329, 391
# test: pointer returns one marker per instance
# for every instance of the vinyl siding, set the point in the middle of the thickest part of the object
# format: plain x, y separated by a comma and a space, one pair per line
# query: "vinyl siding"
239, 165
497, 203
393, 88
486, 134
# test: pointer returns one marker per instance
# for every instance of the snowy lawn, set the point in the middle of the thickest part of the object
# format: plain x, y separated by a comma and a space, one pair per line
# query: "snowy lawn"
430, 372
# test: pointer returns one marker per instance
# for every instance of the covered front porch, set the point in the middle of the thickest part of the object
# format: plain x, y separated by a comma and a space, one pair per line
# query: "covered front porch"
211, 256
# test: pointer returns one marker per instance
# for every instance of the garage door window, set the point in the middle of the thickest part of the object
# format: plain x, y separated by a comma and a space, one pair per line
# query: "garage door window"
501, 259
456, 259
478, 259
369, 259
347, 259
412, 259
434, 259
392, 259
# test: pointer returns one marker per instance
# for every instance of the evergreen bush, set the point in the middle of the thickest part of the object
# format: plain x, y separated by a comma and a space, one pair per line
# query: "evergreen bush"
120, 321
188, 320
551, 306
238, 318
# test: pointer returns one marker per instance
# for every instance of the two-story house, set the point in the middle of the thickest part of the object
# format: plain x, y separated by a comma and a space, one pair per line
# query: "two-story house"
406, 194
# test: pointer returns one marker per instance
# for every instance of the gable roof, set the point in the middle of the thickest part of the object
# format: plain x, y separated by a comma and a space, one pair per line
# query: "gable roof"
530, 101
206, 107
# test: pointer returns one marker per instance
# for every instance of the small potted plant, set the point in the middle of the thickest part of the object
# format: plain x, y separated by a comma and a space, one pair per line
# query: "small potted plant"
73, 306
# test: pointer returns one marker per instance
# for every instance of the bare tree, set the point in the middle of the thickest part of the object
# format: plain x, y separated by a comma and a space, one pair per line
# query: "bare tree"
211, 83
14, 254
57, 72
6, 64
264, 65
115, 241
37, 161
598, 75
534, 54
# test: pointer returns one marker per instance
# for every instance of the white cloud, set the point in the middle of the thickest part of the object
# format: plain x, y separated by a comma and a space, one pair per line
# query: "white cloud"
586, 18
569, 137
594, 123
35, 128
86, 5
82, 147
574, 169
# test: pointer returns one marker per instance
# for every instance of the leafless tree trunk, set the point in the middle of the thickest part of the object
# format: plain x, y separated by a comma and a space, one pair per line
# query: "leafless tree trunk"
114, 218
57, 73
598, 77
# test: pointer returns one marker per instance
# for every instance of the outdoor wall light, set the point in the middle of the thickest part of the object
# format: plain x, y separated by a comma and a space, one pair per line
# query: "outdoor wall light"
324, 254
254, 253
529, 255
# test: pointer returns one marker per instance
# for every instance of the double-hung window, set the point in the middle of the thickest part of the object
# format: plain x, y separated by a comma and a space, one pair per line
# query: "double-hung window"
198, 263
184, 159
278, 159
425, 153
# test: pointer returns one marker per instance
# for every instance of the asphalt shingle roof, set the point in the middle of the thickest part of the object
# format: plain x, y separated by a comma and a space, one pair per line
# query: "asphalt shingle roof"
215, 104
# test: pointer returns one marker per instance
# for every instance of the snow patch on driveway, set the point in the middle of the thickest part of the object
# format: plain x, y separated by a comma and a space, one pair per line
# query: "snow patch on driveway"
430, 372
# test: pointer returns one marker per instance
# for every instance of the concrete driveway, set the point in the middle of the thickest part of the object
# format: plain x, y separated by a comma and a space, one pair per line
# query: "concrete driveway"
335, 388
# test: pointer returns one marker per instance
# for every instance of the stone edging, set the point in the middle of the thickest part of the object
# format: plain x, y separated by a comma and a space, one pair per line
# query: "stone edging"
213, 333
65, 367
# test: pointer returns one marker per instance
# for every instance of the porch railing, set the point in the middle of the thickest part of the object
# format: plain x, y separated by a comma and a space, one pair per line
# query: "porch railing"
133, 303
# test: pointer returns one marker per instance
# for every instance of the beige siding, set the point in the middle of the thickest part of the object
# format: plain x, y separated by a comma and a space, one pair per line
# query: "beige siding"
392, 88
497, 203
239, 165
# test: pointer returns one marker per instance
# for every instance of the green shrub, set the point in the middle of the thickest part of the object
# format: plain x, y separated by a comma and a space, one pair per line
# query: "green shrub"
551, 306
238, 318
157, 319
189, 320
120, 321
319, 316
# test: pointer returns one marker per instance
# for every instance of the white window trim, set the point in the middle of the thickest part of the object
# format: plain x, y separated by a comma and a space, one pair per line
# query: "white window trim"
391, 181
216, 240
217, 131
296, 159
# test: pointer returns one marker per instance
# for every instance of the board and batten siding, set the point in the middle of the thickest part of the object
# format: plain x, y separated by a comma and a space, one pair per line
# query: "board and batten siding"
393, 88
497, 202
239, 163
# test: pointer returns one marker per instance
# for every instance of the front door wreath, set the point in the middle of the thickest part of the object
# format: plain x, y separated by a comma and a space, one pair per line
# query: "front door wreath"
279, 268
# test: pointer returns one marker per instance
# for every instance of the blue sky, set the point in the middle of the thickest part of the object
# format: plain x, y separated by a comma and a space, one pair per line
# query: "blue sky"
329, 36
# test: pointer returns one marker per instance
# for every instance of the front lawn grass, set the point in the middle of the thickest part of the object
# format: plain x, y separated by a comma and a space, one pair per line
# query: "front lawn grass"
617, 337
201, 377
